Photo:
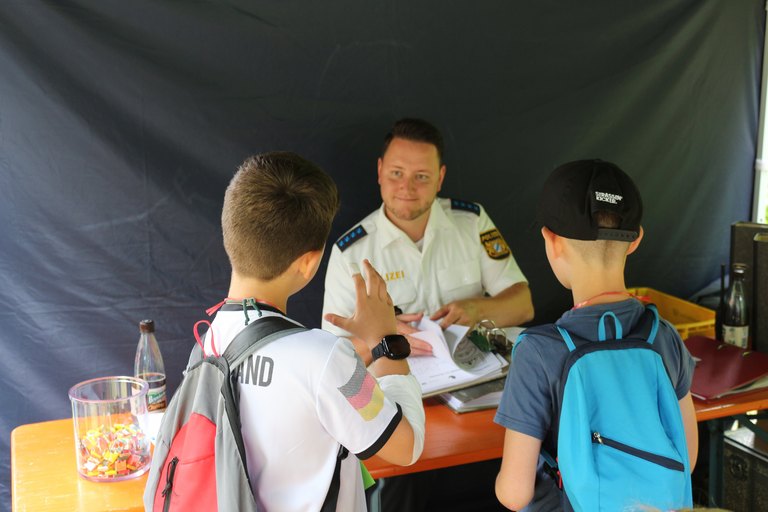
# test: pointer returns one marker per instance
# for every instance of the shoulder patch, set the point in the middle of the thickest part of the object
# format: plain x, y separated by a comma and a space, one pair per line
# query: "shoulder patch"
494, 244
350, 237
467, 206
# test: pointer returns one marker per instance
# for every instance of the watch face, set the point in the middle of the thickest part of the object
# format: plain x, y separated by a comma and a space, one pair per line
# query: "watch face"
396, 346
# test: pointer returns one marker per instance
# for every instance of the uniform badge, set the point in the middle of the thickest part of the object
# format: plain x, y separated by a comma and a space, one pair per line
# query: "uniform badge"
350, 237
466, 206
494, 244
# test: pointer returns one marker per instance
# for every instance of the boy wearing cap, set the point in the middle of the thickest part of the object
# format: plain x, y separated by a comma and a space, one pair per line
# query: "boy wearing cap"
590, 212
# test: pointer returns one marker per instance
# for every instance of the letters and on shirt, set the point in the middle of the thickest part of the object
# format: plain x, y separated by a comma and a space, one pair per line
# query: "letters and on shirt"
462, 255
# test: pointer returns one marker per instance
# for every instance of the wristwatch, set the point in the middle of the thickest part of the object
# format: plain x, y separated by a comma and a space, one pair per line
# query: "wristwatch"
392, 346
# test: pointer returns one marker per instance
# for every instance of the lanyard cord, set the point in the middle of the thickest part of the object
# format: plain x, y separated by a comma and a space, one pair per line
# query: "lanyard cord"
628, 294
246, 303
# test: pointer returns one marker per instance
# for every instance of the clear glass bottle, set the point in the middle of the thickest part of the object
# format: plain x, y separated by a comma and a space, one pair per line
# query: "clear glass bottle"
149, 366
736, 316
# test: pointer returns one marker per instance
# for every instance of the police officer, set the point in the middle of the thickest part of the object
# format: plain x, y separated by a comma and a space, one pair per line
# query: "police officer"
440, 257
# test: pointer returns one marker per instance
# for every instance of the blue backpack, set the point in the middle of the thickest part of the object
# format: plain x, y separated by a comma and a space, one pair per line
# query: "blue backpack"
618, 428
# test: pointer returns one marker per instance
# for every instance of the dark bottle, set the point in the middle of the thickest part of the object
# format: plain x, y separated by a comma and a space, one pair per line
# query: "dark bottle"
736, 316
149, 366
720, 312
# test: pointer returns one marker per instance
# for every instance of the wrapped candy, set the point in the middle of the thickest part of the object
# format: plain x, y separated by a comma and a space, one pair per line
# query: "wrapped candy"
109, 414
109, 452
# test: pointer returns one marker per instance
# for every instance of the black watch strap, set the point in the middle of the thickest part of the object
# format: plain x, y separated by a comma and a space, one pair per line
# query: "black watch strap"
392, 346
378, 351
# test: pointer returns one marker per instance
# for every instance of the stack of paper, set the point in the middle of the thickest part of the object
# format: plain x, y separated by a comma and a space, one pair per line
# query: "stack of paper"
474, 398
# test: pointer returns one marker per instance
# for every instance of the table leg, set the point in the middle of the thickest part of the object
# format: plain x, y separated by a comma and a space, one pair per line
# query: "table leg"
744, 421
715, 462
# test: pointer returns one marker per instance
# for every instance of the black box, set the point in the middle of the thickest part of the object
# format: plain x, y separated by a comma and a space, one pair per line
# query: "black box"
759, 312
742, 250
745, 471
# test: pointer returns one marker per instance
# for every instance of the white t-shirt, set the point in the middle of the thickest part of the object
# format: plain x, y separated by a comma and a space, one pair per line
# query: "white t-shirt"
463, 256
300, 397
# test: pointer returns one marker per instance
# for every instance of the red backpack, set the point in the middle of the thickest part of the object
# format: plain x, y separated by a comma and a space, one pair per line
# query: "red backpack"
199, 461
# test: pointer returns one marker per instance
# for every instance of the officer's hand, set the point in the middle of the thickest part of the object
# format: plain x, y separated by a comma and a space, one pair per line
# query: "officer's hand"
462, 312
419, 347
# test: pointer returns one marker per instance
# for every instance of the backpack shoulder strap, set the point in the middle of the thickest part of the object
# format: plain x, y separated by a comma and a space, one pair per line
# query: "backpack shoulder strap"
255, 335
645, 330
258, 333
647, 327
332, 497
548, 330
245, 343
652, 316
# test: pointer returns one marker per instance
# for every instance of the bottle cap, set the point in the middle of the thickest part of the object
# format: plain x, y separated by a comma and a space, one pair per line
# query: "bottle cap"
739, 268
147, 326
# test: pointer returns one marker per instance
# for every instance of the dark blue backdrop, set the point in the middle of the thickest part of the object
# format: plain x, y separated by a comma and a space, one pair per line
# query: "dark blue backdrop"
122, 122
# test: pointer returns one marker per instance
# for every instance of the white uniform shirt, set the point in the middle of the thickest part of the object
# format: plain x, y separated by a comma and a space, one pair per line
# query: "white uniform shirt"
300, 397
463, 256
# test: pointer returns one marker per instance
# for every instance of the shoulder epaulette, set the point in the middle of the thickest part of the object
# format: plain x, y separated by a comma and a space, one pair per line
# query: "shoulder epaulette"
350, 237
467, 206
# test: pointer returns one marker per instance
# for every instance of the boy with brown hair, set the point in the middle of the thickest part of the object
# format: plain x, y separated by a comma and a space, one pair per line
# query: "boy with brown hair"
590, 211
308, 393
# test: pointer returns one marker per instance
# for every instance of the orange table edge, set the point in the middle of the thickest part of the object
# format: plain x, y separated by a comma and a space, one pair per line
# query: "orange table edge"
451, 439
454, 439
44, 476
731, 405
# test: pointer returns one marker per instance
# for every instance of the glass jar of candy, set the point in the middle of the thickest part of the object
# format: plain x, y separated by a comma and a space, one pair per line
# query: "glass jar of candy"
109, 415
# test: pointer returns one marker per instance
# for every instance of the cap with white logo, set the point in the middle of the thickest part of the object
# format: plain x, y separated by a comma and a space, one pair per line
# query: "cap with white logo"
576, 191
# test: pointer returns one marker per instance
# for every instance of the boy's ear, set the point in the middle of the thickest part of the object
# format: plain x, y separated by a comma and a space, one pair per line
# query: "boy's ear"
551, 241
308, 263
633, 245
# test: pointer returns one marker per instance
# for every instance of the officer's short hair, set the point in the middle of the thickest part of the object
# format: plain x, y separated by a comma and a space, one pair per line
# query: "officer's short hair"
277, 207
415, 130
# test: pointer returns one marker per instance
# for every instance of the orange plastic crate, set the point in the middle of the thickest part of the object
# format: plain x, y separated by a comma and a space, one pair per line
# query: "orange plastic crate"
688, 318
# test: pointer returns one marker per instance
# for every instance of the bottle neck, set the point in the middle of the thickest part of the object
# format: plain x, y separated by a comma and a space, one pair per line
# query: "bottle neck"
737, 285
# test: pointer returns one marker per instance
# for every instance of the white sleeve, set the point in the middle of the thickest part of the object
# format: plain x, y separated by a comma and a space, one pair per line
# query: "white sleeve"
501, 272
406, 391
339, 296
351, 405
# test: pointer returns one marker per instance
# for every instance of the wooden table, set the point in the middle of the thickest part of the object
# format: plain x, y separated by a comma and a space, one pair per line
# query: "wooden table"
44, 475
451, 439
454, 439
730, 406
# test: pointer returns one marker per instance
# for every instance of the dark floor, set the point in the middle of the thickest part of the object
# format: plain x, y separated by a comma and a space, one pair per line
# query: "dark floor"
466, 488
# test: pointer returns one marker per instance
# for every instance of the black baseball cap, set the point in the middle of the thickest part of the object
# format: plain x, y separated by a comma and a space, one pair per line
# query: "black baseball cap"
575, 191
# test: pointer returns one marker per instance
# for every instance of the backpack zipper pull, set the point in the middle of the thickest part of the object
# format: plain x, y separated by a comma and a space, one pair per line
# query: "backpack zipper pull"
169, 476
597, 438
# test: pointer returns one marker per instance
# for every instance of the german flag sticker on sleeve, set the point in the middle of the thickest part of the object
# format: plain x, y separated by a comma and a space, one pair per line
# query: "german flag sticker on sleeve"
363, 393
494, 244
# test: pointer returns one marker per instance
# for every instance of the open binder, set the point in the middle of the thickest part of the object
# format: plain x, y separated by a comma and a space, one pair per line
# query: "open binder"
723, 369
456, 362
